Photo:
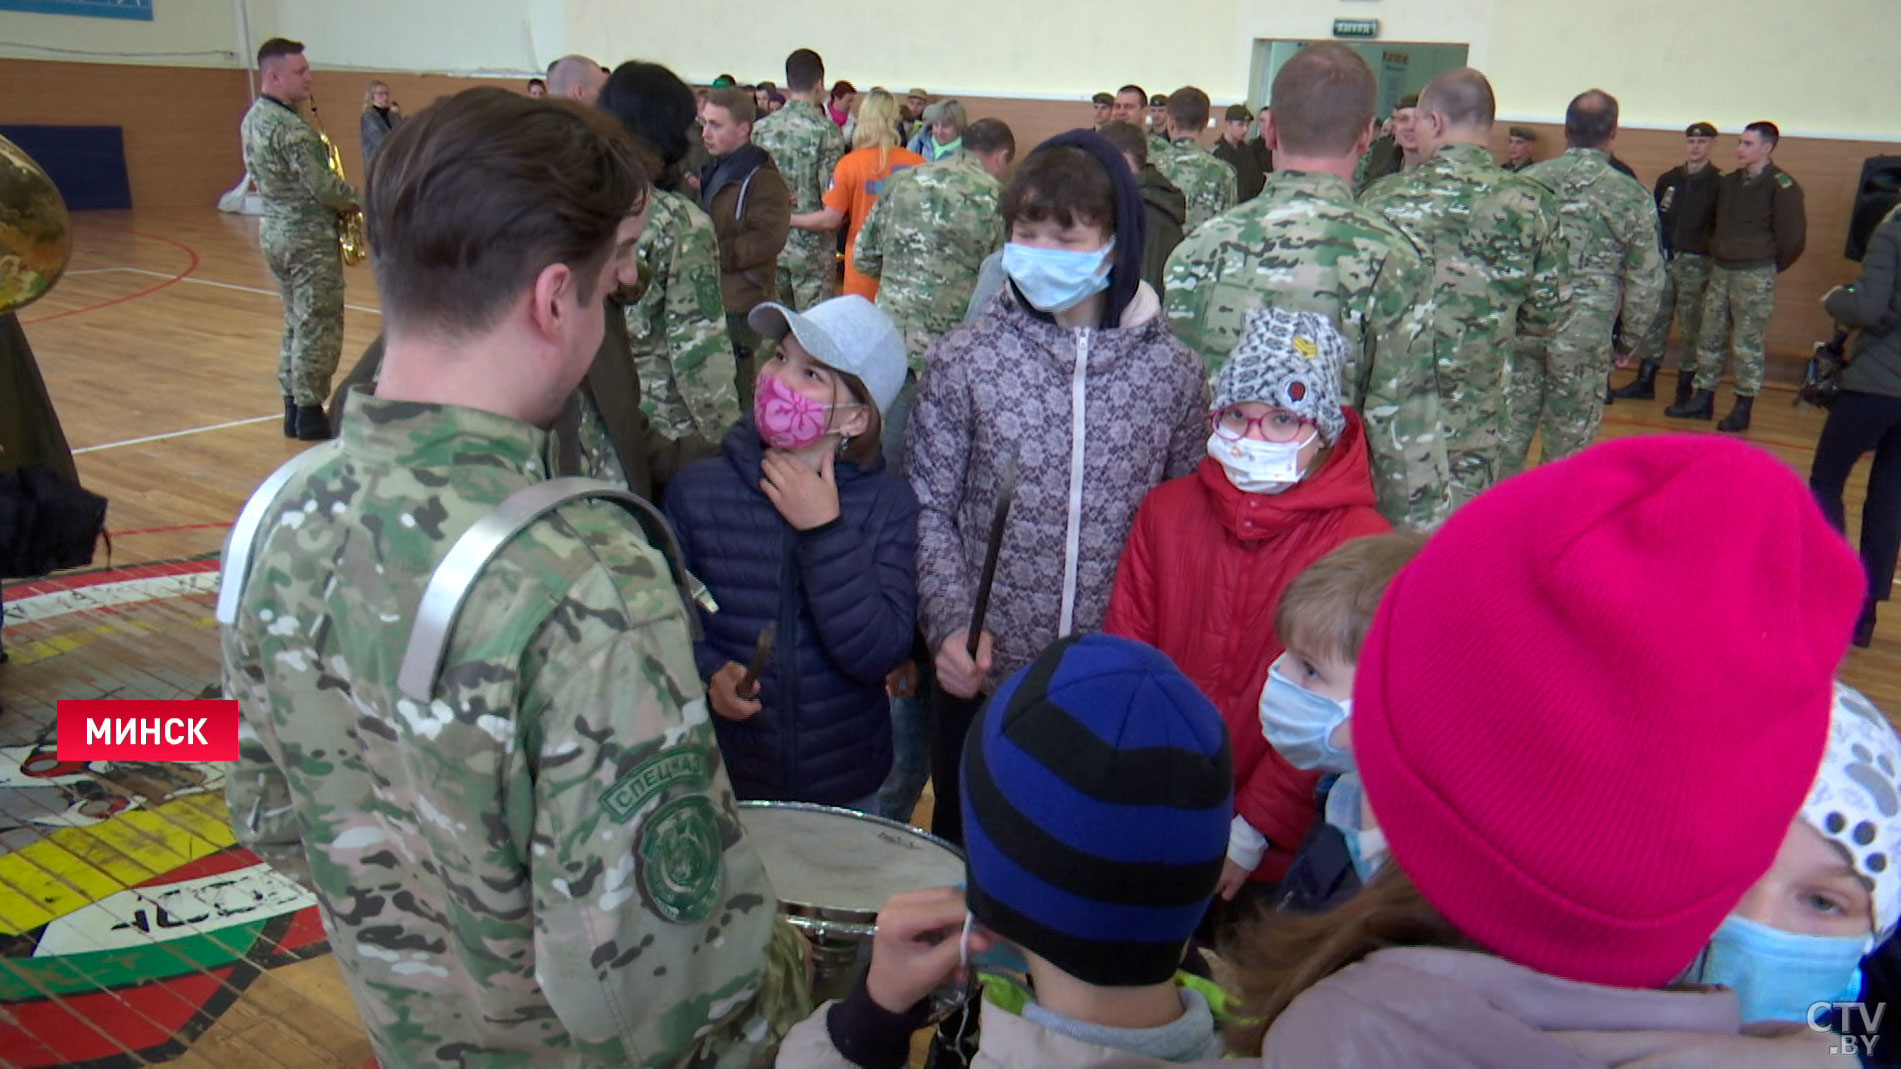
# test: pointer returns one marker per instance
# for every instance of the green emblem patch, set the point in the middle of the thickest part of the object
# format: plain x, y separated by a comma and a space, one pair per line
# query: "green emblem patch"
686, 766
677, 860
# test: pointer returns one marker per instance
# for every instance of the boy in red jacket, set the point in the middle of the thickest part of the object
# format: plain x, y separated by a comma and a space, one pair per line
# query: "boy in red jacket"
1286, 480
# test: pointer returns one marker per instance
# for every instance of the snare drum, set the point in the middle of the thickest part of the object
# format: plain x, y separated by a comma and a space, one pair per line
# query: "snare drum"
833, 868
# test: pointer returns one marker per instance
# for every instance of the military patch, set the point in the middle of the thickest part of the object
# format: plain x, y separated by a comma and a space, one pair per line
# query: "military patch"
1784, 180
686, 766
677, 860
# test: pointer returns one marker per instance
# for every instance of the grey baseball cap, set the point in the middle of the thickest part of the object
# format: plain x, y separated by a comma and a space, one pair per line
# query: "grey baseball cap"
847, 333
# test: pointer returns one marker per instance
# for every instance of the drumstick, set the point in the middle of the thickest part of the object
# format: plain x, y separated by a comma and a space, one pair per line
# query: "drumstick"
991, 550
749, 683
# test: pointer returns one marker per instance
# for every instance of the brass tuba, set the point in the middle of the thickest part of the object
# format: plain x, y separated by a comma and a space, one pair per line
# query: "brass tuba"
350, 234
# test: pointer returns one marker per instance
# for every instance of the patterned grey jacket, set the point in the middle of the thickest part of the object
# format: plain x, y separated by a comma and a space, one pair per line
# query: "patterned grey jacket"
1095, 418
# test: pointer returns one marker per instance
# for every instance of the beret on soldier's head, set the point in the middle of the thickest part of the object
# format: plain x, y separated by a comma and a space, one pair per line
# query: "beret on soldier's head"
1239, 113
1159, 100
1700, 129
1524, 133
1102, 98
1410, 100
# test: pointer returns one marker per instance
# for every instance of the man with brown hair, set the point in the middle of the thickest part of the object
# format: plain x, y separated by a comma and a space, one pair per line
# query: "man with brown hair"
1163, 205
521, 835
303, 201
1303, 245
1207, 181
741, 190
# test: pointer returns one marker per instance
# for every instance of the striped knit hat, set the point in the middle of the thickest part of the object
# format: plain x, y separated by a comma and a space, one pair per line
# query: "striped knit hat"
1097, 793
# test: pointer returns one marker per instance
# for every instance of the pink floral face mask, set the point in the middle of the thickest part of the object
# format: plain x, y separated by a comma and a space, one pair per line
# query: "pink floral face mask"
787, 419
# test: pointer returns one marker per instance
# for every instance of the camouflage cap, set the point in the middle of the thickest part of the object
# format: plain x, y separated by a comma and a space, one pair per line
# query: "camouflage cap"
1524, 133
1239, 113
1291, 360
1700, 129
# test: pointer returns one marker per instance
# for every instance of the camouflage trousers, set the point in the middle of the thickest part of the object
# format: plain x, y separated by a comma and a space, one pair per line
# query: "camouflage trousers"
1556, 388
805, 278
1685, 283
309, 269
1743, 299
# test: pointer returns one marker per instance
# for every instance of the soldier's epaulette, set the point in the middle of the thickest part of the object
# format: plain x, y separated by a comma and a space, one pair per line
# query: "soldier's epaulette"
1783, 180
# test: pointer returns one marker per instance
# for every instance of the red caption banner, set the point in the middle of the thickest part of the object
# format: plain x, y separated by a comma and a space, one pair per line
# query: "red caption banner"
148, 730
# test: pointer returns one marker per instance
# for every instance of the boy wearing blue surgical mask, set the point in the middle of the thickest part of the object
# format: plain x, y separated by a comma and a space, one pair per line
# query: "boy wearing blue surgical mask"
1307, 706
1799, 934
1069, 401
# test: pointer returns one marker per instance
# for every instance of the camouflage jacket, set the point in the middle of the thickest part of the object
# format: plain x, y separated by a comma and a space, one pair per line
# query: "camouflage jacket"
1205, 179
807, 147
1609, 225
1305, 246
925, 240
678, 327
543, 864
1498, 264
287, 160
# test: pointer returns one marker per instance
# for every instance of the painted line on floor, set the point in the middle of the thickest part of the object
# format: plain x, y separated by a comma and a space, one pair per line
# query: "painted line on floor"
176, 434
231, 286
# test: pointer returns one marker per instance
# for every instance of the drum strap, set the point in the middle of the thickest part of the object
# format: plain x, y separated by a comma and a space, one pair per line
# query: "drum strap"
455, 576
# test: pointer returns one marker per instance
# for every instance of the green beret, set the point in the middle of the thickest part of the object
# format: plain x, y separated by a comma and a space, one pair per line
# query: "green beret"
1700, 129
1239, 113
1524, 133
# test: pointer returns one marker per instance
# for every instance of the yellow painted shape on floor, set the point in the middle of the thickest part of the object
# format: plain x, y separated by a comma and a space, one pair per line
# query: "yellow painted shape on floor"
71, 868
47, 648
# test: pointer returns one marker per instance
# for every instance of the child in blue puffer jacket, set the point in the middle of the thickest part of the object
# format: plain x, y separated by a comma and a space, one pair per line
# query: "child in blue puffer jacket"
800, 525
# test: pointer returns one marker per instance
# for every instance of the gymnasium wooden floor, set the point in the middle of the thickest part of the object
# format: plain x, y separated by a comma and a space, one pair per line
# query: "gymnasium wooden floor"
132, 931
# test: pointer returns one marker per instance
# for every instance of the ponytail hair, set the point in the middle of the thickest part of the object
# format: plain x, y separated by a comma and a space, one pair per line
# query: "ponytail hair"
1277, 956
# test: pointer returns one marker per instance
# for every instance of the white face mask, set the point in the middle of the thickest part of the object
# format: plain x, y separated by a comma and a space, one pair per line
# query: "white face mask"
1259, 467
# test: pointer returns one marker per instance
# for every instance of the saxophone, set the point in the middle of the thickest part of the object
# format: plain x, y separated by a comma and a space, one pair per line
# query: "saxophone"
350, 234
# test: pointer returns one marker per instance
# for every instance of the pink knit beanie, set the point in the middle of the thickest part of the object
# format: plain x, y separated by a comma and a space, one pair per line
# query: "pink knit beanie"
1588, 711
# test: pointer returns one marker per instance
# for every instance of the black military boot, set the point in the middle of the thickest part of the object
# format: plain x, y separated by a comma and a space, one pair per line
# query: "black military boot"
312, 424
1686, 383
1643, 387
1738, 419
1865, 627
1700, 405
290, 416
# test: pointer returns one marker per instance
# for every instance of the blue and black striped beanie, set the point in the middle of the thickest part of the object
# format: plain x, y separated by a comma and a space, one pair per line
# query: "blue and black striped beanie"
1097, 792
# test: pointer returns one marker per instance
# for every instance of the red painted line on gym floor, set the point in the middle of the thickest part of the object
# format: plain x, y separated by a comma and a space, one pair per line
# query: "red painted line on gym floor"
121, 573
146, 292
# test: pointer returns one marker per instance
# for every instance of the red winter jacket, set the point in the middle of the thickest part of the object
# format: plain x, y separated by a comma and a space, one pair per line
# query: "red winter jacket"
1200, 580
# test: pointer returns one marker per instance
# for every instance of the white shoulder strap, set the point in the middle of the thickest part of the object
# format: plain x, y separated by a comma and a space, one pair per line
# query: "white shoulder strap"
453, 578
236, 573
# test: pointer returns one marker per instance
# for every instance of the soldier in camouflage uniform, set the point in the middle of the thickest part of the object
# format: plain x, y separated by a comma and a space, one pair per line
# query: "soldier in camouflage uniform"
677, 328
535, 858
1208, 181
1498, 263
1686, 217
1609, 226
928, 234
807, 147
302, 199
1760, 231
1303, 245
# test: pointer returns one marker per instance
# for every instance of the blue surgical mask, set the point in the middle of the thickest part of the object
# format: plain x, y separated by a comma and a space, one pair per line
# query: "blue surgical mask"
1056, 280
1779, 975
1299, 724
1346, 811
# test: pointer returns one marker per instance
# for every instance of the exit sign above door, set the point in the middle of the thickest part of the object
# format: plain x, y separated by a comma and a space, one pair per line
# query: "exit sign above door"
1356, 27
